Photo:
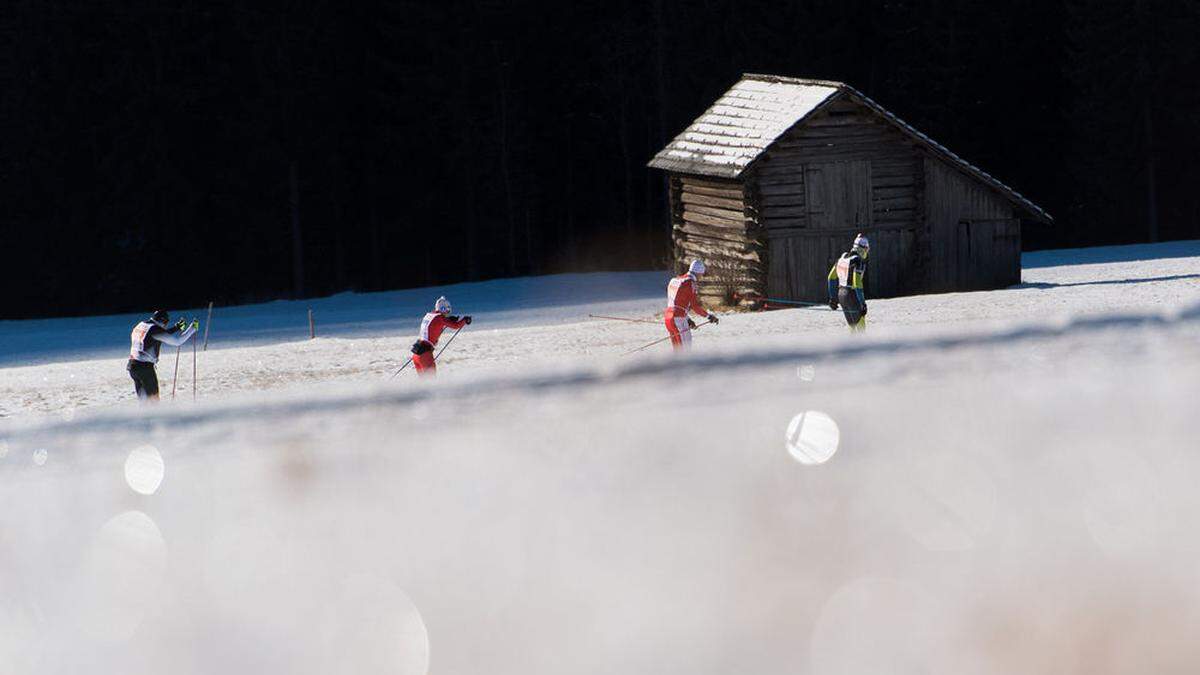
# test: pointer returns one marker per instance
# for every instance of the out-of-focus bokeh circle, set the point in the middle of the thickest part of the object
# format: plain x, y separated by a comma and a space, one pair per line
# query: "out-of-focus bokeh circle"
812, 437
121, 577
144, 469
375, 628
876, 625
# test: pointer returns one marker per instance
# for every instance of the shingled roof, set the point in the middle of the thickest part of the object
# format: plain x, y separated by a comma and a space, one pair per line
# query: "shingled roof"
731, 135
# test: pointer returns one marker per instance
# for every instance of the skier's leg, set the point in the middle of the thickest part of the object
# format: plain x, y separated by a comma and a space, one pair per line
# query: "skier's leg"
848, 299
145, 384
137, 385
673, 331
685, 333
424, 364
151, 377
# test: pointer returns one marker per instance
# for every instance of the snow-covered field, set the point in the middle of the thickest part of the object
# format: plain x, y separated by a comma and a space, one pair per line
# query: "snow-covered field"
1013, 488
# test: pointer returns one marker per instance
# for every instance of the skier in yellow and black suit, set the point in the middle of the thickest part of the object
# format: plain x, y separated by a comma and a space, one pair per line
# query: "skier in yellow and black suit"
846, 284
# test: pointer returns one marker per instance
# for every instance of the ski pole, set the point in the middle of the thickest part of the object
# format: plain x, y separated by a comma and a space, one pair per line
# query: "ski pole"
781, 301
661, 340
193, 370
175, 378
815, 305
794, 303
406, 364
435, 356
620, 318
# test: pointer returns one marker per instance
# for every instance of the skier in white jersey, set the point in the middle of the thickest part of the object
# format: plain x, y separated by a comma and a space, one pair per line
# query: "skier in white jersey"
846, 284
145, 341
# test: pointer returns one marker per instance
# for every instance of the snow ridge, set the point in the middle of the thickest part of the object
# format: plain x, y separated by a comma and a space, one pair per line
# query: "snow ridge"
128, 419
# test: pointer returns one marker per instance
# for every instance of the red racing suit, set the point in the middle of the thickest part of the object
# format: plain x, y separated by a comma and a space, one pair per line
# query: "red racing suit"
681, 299
431, 331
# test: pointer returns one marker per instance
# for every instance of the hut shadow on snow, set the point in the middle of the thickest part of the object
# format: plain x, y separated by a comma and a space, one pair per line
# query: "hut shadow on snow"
1111, 254
1105, 282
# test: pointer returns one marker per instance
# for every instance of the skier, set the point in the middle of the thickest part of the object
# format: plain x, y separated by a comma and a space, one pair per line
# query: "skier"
431, 330
681, 299
146, 339
846, 284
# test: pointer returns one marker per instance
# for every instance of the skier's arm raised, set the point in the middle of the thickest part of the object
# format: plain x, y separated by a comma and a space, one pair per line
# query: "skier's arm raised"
174, 339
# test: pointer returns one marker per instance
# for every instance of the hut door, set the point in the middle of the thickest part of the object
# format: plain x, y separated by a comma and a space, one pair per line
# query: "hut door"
838, 194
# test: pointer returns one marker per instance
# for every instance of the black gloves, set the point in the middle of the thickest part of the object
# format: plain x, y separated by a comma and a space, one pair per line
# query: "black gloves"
864, 312
467, 319
712, 318
420, 347
691, 324
833, 303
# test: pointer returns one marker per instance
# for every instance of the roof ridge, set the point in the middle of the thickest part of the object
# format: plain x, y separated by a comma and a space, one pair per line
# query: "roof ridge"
759, 116
784, 79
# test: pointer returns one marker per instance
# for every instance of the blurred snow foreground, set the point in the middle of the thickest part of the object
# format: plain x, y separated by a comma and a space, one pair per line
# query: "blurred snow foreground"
987, 483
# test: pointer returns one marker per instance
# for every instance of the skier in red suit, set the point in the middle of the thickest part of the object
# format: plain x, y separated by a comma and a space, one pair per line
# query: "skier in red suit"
681, 299
431, 330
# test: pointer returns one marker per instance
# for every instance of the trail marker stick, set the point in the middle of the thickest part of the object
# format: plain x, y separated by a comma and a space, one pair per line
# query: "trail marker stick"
193, 370
312, 327
207, 323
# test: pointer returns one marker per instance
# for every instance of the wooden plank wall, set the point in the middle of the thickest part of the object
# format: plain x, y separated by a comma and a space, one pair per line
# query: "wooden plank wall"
805, 237
975, 234
777, 231
716, 220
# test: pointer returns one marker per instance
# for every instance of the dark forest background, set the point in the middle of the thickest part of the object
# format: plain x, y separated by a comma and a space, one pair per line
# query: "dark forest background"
176, 152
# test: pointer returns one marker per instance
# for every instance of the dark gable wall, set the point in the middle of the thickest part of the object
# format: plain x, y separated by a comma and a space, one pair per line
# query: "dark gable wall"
844, 171
932, 227
975, 234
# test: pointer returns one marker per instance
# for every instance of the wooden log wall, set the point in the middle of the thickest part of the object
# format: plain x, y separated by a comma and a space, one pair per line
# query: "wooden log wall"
716, 221
844, 171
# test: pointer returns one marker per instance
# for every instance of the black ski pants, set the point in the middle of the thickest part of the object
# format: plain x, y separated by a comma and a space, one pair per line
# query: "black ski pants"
145, 379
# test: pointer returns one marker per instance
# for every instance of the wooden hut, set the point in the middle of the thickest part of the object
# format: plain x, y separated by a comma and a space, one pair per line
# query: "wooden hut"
772, 182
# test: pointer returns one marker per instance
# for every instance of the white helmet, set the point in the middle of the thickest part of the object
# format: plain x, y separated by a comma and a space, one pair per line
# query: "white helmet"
442, 306
861, 242
697, 267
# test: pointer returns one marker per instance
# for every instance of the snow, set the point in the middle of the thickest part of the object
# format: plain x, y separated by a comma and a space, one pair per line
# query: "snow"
1013, 487
505, 302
